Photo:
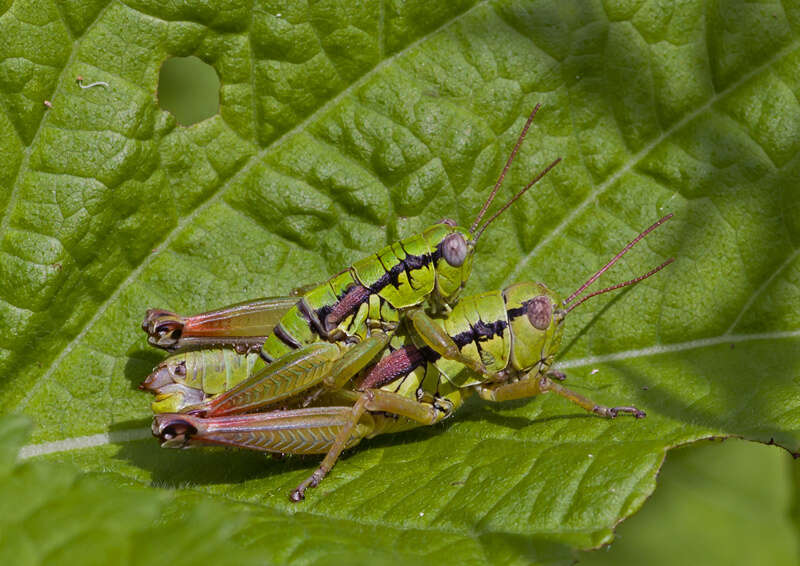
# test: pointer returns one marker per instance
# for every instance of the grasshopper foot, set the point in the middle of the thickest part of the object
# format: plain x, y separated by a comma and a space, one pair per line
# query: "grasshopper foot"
299, 493
613, 412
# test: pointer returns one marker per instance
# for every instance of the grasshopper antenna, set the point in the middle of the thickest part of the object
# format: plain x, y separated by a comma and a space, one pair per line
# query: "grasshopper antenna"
502, 176
516, 196
614, 260
623, 284
505, 169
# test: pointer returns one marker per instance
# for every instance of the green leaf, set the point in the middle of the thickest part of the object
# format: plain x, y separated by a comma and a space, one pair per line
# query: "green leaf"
716, 504
341, 129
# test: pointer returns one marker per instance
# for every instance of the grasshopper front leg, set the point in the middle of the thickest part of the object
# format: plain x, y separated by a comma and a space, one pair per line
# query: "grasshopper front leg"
534, 383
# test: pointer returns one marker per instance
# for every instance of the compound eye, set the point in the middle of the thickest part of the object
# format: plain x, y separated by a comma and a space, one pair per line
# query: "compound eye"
540, 312
454, 249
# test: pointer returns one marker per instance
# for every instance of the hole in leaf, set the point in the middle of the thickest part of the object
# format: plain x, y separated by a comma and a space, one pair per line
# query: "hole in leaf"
189, 89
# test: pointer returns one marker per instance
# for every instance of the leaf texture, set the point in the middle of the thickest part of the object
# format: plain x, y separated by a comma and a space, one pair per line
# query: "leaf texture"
340, 130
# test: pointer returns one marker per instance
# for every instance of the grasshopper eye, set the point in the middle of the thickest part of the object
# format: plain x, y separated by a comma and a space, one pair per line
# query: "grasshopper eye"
540, 312
454, 249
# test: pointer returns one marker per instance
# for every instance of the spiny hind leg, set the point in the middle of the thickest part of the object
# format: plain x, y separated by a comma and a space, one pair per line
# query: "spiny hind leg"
534, 384
298, 431
379, 401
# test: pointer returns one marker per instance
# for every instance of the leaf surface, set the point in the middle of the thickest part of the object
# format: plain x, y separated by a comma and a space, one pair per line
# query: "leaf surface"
341, 130
716, 504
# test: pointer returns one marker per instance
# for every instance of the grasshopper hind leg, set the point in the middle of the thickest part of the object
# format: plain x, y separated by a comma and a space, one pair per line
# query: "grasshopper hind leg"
378, 401
298, 431
164, 328
174, 433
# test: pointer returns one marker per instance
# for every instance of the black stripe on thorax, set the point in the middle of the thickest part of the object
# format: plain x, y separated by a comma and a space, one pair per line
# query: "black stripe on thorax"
410, 265
519, 311
480, 332
407, 264
390, 277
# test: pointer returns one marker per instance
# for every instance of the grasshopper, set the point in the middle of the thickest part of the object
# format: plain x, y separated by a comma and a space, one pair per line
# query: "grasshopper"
514, 333
362, 304
188, 378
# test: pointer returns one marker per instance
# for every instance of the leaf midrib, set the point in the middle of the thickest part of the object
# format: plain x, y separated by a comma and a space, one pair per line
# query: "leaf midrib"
642, 154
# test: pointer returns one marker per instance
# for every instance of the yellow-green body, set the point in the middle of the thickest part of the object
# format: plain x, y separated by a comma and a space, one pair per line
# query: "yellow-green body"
188, 378
404, 274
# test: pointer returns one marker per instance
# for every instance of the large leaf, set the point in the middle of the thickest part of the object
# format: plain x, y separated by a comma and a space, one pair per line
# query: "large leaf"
716, 504
340, 130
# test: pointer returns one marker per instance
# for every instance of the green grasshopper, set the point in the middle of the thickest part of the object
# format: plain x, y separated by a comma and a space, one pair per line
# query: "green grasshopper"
188, 378
362, 304
514, 333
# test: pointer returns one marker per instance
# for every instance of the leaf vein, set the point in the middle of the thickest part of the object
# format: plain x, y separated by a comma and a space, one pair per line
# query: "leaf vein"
23, 166
188, 219
641, 155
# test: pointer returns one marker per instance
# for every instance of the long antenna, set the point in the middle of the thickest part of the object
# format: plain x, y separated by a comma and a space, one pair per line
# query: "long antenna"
614, 260
516, 196
505, 169
624, 284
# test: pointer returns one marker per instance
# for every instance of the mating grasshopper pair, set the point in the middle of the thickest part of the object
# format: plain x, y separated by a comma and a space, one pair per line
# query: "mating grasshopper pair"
382, 347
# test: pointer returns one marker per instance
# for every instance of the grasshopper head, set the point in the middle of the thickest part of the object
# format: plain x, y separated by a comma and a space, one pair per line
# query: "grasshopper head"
454, 250
536, 319
536, 314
